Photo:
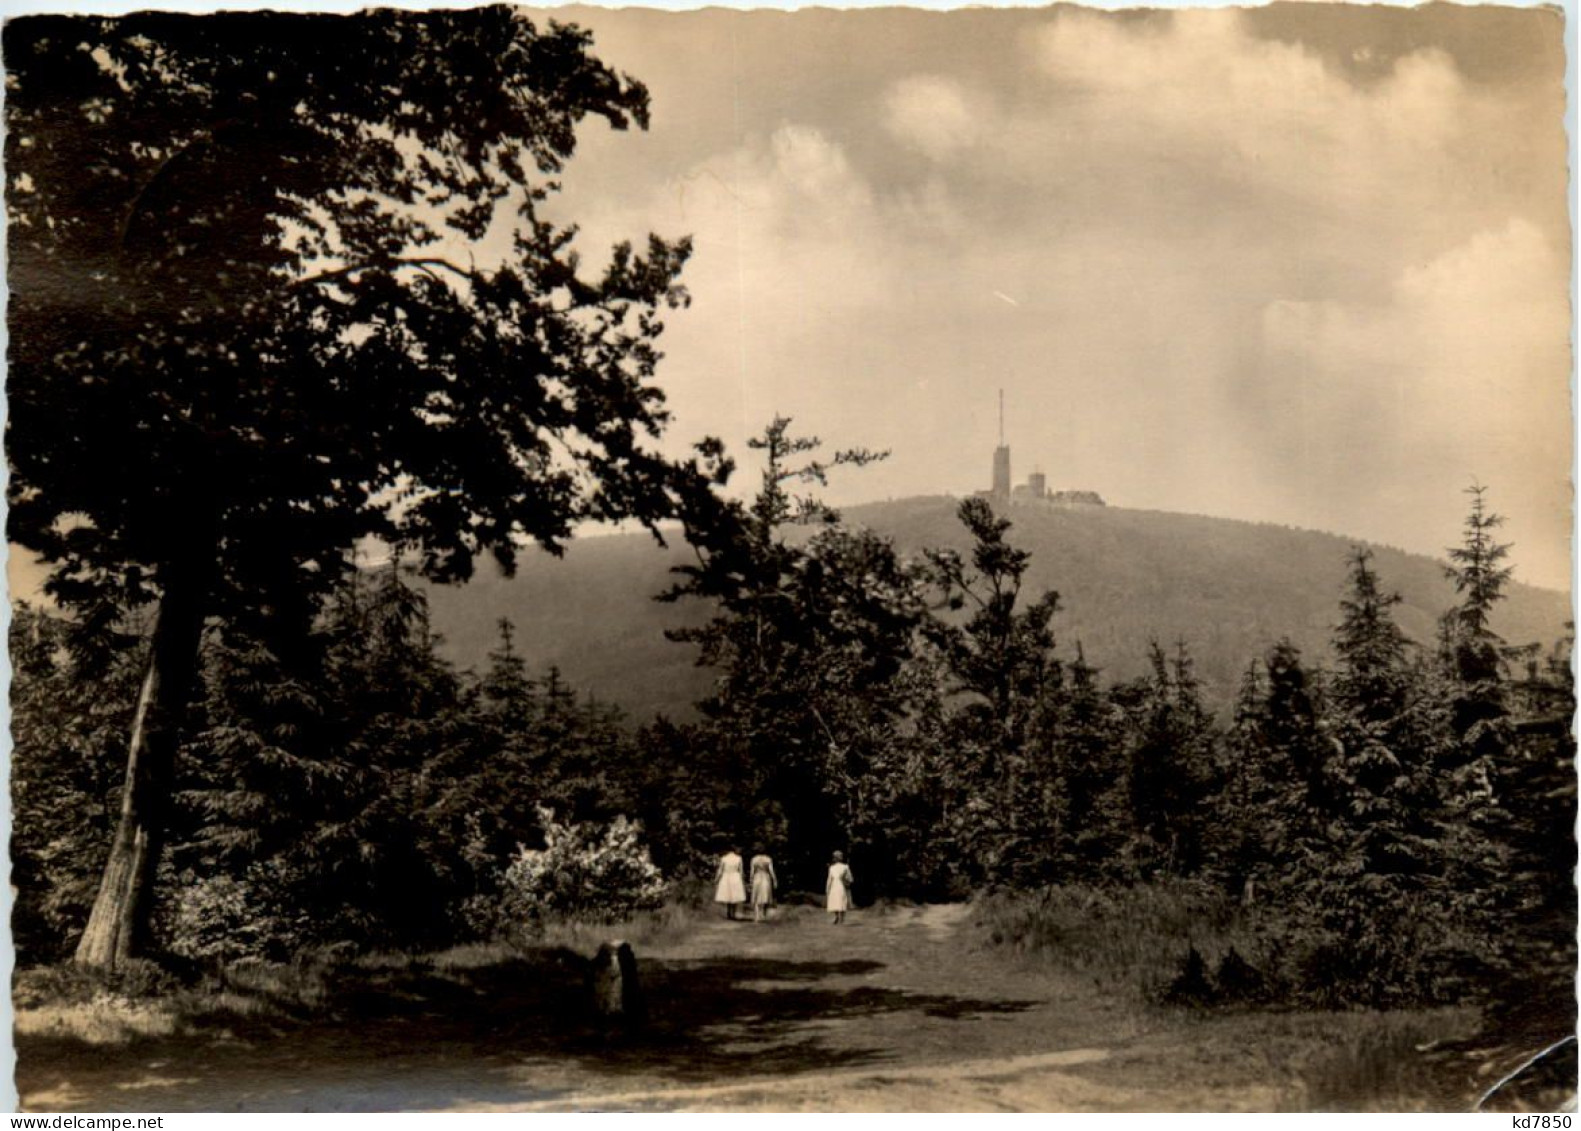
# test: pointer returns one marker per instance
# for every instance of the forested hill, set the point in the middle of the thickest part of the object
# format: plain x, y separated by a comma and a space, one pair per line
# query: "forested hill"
1228, 588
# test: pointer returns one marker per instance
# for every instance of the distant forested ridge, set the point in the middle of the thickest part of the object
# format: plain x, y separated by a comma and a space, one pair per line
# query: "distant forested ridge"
1228, 588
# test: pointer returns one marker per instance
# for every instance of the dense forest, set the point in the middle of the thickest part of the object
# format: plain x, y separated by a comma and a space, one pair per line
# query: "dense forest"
1394, 827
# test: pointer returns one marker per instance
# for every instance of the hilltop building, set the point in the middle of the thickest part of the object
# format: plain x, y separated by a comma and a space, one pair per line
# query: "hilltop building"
1001, 471
1035, 489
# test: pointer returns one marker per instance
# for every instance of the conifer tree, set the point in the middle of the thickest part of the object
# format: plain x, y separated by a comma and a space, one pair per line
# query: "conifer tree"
1372, 650
1474, 654
1537, 786
1385, 881
1173, 760
1001, 660
1246, 828
1482, 771
1380, 783
506, 690
810, 635
1097, 823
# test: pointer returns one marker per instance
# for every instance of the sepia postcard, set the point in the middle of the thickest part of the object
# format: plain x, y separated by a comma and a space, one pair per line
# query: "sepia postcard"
897, 559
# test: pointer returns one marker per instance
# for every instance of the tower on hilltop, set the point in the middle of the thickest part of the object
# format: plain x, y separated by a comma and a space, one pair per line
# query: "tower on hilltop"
1001, 488
1035, 491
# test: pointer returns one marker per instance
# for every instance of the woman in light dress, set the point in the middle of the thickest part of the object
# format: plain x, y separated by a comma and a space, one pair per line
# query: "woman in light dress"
837, 890
763, 881
728, 886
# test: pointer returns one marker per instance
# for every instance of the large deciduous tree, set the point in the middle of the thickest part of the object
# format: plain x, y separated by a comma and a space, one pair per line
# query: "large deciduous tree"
283, 282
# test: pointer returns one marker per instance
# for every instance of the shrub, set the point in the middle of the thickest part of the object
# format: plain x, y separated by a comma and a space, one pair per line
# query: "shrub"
221, 919
1375, 1062
583, 872
1238, 980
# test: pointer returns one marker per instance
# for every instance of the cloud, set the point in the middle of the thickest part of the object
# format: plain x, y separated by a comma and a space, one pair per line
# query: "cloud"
1460, 376
933, 114
1202, 75
1244, 282
1186, 121
793, 251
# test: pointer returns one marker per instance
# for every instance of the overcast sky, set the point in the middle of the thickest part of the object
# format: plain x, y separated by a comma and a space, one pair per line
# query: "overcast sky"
1306, 264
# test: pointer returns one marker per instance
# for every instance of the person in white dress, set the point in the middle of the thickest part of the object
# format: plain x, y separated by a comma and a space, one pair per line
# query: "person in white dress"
729, 888
763, 881
837, 891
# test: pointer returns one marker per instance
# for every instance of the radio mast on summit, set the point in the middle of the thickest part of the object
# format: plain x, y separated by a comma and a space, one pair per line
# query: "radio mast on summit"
1035, 489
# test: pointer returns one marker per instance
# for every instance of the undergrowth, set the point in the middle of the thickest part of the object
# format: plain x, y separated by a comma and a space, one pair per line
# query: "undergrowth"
1140, 941
1184, 942
145, 999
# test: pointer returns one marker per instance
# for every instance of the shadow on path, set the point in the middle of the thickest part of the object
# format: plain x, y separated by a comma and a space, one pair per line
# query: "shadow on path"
424, 1037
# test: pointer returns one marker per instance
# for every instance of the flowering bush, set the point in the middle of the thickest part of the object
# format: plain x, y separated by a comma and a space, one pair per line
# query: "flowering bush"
584, 871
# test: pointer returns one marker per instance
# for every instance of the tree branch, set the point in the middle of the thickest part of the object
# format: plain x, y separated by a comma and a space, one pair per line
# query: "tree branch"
389, 263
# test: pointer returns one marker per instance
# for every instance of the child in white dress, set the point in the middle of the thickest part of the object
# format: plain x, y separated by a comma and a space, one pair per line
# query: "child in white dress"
729, 888
763, 881
837, 890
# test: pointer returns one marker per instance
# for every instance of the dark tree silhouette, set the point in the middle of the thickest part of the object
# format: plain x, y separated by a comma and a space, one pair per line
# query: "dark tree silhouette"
243, 338
809, 637
1000, 659
1475, 656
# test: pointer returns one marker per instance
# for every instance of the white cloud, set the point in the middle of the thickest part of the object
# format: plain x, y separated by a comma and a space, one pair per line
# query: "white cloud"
1245, 283
1461, 375
1186, 120
933, 114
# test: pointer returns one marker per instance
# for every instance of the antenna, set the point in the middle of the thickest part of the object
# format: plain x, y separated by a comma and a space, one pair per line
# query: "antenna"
1001, 418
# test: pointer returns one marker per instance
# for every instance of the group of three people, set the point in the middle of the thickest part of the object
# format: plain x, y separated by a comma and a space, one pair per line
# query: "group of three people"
731, 889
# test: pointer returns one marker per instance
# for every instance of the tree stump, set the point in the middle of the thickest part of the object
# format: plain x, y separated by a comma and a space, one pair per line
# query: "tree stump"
616, 991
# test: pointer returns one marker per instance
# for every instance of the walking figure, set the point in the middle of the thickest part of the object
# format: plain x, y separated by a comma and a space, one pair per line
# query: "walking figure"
763, 882
837, 891
728, 886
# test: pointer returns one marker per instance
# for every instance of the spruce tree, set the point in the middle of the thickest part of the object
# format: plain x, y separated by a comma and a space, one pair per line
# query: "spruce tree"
810, 634
1379, 786
1384, 880
1292, 779
1474, 652
1000, 661
1174, 760
1088, 733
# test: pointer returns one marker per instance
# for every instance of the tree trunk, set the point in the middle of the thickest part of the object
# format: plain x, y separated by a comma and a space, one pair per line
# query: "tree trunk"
118, 926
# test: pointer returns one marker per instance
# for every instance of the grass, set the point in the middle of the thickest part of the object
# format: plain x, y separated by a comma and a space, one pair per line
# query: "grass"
460, 1023
106, 1020
1314, 1060
647, 928
1130, 941
1374, 1061
147, 1001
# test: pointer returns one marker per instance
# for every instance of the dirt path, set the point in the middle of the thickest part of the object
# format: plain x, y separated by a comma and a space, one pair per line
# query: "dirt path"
893, 1011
